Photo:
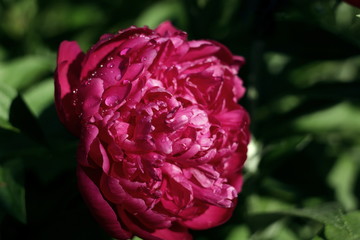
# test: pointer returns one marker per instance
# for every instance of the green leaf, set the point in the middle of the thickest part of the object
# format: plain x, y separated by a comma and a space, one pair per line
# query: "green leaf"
259, 205
159, 12
317, 238
239, 233
343, 117
7, 95
329, 214
337, 225
12, 192
277, 230
23, 72
348, 228
326, 71
343, 179
137, 238
40, 96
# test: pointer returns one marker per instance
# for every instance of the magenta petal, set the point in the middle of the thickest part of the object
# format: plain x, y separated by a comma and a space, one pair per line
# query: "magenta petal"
133, 71
200, 49
89, 134
136, 229
99, 155
213, 216
103, 48
90, 95
66, 83
100, 208
116, 94
94, 59
173, 233
166, 29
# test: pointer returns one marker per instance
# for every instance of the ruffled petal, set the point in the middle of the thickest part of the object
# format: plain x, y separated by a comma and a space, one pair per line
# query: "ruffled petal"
100, 208
212, 217
166, 29
67, 80
173, 233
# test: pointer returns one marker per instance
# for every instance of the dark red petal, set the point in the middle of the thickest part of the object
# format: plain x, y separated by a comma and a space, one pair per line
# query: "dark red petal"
173, 233
166, 29
99, 207
212, 217
136, 229
89, 134
100, 50
67, 81
90, 94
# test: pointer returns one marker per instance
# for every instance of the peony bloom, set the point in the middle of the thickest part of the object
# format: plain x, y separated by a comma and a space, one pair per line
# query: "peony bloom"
162, 138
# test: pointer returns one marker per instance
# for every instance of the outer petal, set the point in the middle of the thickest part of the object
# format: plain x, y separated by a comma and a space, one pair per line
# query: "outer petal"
166, 29
66, 82
88, 136
136, 229
174, 233
212, 217
90, 95
100, 208
100, 50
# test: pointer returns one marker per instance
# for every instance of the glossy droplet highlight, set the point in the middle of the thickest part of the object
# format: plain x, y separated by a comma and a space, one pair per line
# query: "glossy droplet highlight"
125, 82
124, 51
118, 77
111, 100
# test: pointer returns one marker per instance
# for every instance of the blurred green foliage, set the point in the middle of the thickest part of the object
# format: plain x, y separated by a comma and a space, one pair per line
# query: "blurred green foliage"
303, 93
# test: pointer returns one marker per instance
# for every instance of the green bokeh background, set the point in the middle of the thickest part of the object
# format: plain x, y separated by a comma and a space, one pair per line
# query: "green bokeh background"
303, 93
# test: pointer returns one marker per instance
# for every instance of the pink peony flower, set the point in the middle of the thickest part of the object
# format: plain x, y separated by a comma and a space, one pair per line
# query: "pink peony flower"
162, 138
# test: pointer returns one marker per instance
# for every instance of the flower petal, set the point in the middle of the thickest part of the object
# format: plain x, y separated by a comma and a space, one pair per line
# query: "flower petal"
212, 217
99, 207
173, 233
67, 80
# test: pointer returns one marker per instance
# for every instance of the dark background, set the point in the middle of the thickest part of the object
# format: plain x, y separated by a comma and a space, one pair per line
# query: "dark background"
302, 79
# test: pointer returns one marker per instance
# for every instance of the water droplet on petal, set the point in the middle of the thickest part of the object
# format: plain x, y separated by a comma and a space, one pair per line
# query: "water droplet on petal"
111, 100
125, 82
110, 65
143, 59
101, 65
118, 77
124, 51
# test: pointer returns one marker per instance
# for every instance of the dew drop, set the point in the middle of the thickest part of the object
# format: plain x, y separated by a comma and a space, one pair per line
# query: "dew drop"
118, 77
110, 65
101, 65
124, 51
125, 82
88, 81
143, 59
111, 100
